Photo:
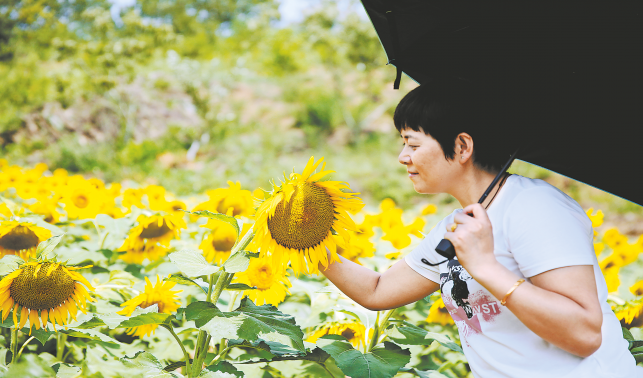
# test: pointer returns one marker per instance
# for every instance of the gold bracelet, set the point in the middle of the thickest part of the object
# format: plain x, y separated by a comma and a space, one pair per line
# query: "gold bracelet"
504, 300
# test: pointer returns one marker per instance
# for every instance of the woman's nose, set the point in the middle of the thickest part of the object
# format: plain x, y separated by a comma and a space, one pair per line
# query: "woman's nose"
404, 158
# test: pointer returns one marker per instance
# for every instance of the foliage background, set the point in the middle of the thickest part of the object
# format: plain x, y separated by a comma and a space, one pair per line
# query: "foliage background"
190, 94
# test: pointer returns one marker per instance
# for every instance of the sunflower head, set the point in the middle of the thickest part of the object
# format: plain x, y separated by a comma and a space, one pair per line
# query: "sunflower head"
82, 199
354, 332
438, 313
21, 238
297, 221
271, 282
359, 247
151, 237
159, 294
231, 200
220, 239
44, 291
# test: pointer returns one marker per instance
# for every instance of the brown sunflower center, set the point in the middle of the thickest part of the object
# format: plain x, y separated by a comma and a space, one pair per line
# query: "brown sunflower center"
147, 304
153, 230
224, 244
348, 333
43, 291
81, 201
21, 237
305, 220
226, 203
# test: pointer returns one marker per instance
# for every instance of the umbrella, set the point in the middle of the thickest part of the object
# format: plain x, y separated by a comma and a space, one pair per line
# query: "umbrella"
569, 73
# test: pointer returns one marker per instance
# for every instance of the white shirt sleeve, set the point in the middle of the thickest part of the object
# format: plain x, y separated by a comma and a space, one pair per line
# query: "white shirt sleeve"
426, 250
546, 229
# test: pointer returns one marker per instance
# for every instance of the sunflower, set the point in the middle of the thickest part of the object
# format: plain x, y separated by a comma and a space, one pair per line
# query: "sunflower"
297, 221
358, 247
82, 199
218, 244
429, 209
151, 237
222, 199
637, 288
161, 295
21, 238
271, 282
45, 291
630, 313
353, 331
438, 313
48, 207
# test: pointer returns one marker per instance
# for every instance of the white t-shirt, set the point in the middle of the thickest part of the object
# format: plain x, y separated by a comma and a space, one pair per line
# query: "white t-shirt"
536, 228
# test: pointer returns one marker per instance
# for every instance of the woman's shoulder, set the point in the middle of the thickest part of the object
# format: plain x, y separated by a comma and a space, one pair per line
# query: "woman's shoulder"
531, 197
535, 192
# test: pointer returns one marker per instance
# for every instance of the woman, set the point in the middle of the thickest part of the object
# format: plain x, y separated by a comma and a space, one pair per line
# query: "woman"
555, 323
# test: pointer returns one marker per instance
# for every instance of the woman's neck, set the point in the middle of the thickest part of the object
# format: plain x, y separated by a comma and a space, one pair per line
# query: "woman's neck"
472, 186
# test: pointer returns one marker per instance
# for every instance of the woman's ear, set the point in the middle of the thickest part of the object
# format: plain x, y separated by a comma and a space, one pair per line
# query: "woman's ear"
464, 147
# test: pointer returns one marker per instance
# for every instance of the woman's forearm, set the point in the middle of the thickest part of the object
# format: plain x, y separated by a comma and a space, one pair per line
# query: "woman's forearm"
397, 286
570, 325
357, 282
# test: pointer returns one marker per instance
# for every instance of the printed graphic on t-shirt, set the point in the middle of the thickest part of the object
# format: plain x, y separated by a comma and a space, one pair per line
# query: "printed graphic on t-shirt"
465, 307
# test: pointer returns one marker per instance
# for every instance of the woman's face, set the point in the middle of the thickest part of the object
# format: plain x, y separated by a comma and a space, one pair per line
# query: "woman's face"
428, 169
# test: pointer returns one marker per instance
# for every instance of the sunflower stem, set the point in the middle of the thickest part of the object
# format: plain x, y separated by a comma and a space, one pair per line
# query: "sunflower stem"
379, 328
376, 333
24, 345
14, 344
102, 243
60, 346
188, 368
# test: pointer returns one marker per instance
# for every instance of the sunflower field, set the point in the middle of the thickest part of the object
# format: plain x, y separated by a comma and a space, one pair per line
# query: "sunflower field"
103, 280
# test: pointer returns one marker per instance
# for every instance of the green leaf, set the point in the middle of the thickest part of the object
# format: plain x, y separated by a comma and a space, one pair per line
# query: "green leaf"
637, 350
267, 323
237, 262
175, 365
146, 319
192, 263
627, 335
381, 362
91, 323
409, 334
187, 281
45, 247
271, 372
635, 344
425, 373
9, 263
444, 340
41, 334
250, 322
201, 312
147, 364
65, 370
30, 365
219, 216
225, 367
240, 287
638, 357
276, 349
94, 335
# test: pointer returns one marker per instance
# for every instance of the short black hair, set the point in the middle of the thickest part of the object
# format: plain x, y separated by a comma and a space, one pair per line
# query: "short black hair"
445, 108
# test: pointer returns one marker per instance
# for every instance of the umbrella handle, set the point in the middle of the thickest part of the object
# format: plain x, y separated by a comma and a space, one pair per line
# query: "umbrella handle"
445, 248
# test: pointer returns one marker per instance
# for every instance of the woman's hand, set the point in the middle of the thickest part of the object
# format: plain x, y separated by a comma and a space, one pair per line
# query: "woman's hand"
472, 239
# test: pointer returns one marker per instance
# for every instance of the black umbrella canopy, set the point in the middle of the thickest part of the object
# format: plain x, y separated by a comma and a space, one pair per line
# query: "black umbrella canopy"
569, 75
